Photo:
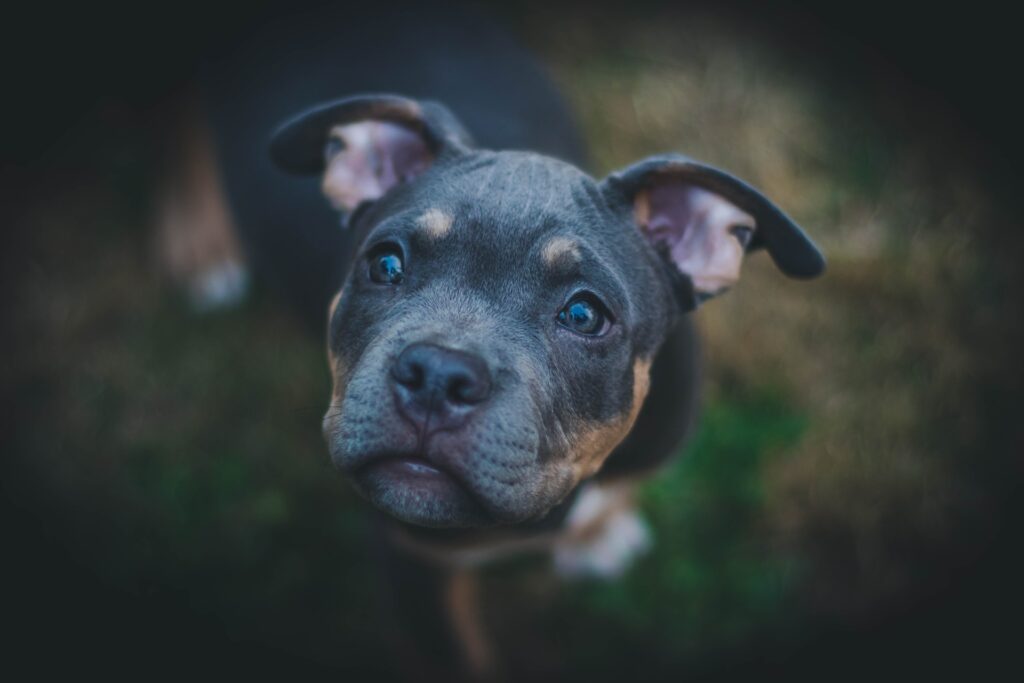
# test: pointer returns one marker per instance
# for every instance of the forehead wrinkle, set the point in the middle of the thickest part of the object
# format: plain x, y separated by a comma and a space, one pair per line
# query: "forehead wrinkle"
615, 276
508, 200
509, 184
485, 183
552, 194
531, 171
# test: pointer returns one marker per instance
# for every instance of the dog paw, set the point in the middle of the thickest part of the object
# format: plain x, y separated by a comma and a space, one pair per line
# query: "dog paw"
220, 286
607, 551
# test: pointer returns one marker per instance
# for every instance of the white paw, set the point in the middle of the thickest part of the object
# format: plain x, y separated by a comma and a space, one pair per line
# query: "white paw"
607, 551
221, 286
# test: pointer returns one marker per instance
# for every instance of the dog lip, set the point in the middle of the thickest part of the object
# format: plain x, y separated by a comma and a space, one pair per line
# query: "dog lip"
418, 465
413, 463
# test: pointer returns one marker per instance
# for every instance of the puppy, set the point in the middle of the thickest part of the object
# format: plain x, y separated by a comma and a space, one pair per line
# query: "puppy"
508, 337
510, 347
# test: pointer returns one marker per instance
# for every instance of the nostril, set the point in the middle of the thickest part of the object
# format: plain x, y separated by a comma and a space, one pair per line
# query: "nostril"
459, 390
467, 389
409, 374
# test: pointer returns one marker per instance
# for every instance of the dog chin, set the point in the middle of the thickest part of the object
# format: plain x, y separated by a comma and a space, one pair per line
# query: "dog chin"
416, 492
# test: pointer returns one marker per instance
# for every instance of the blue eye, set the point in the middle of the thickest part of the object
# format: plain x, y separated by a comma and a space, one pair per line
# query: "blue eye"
386, 267
584, 315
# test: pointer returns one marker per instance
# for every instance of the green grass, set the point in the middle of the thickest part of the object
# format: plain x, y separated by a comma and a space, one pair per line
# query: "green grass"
712, 577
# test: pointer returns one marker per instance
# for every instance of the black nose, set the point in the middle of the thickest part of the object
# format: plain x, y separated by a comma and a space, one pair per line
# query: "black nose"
437, 388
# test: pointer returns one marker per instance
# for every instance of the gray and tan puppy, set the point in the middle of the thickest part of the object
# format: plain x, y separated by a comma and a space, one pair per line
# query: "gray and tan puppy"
511, 331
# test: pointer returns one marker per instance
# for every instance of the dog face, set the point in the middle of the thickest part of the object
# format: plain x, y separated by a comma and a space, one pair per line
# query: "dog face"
492, 343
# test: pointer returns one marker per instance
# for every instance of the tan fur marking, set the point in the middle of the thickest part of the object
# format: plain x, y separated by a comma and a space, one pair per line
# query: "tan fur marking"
558, 248
476, 551
339, 376
338, 371
642, 208
333, 306
594, 445
464, 609
435, 223
339, 383
195, 228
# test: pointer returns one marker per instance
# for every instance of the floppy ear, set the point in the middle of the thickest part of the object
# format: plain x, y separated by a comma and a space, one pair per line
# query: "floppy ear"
367, 144
704, 221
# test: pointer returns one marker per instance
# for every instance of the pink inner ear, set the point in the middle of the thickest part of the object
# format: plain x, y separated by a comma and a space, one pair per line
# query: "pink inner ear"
376, 156
697, 226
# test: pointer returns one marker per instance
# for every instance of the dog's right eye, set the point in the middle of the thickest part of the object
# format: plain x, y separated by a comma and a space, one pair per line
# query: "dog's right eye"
386, 266
585, 315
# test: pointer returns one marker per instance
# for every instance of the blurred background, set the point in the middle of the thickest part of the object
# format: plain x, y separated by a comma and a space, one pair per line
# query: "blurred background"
849, 504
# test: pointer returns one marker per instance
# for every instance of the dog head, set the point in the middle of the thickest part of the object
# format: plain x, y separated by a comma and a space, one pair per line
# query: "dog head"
492, 342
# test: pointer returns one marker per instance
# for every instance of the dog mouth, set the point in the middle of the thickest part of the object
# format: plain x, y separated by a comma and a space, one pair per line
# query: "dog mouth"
418, 490
410, 469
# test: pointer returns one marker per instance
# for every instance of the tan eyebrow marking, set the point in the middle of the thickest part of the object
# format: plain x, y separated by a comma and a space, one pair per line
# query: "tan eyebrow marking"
435, 223
559, 248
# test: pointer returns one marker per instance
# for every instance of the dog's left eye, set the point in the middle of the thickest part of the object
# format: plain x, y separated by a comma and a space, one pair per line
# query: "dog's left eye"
585, 315
386, 266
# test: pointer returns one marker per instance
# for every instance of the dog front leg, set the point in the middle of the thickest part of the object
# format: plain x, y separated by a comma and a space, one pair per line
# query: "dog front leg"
196, 238
433, 615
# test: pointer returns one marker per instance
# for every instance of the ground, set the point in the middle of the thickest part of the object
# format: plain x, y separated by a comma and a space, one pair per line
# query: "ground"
848, 454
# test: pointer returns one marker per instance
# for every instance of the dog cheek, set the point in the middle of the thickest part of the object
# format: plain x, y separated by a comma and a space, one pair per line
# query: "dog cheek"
362, 413
593, 443
339, 378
